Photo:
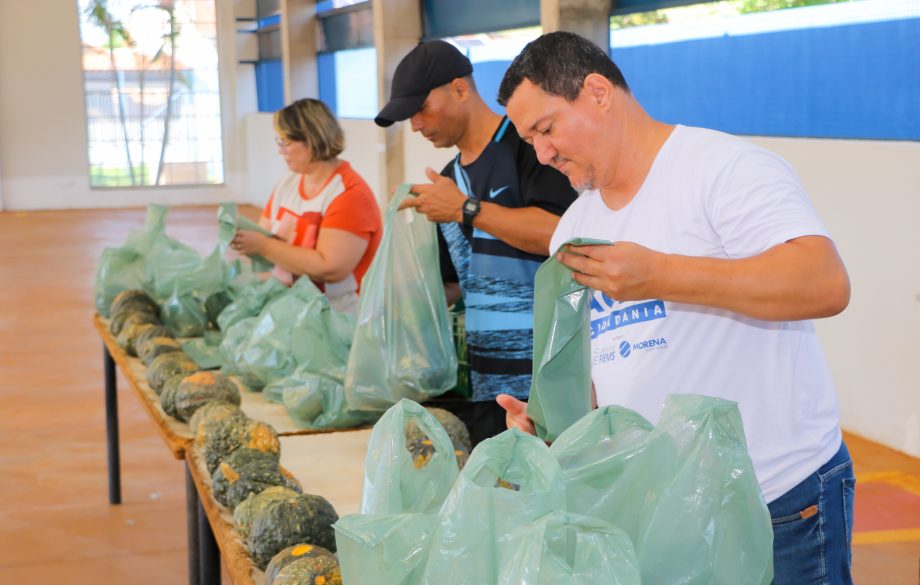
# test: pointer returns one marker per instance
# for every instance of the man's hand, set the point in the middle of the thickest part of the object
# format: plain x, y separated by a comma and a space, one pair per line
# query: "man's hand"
516, 413
441, 201
248, 242
624, 271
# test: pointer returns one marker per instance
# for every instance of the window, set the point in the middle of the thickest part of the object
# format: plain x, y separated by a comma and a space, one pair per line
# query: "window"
150, 75
491, 55
801, 68
347, 59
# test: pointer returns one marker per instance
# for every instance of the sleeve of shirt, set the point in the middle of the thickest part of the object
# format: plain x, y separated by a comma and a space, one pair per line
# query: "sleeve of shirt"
354, 211
267, 211
448, 271
543, 186
758, 203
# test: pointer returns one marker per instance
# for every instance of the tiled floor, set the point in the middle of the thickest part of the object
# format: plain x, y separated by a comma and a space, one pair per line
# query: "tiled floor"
56, 525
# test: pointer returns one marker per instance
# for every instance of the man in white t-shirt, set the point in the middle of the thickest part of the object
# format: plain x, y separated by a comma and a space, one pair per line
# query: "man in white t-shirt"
718, 264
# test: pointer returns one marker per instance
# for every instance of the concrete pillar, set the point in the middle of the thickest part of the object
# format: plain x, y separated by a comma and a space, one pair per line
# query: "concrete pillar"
397, 29
588, 18
298, 49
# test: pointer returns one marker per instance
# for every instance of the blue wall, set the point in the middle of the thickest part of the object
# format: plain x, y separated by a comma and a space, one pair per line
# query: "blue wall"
854, 81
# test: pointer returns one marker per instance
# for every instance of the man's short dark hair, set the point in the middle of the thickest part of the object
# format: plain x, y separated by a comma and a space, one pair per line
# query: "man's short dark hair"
558, 63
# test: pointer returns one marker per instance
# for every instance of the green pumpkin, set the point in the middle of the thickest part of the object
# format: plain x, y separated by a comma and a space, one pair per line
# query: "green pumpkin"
246, 472
206, 418
235, 433
246, 511
304, 519
129, 317
168, 396
319, 570
291, 554
215, 304
129, 333
167, 365
135, 300
155, 346
202, 387
456, 430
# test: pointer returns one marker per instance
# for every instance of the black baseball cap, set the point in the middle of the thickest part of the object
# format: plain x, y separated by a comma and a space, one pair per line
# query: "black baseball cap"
427, 66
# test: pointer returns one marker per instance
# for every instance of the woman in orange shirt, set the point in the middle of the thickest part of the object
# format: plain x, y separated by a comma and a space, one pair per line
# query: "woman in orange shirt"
324, 217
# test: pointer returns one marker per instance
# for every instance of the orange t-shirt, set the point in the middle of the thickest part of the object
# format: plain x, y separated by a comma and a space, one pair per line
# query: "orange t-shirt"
345, 203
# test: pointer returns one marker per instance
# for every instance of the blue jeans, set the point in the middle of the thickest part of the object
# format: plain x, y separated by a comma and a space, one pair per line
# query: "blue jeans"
813, 526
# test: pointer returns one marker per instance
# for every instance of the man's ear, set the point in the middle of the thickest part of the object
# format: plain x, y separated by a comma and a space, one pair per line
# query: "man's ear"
598, 89
460, 88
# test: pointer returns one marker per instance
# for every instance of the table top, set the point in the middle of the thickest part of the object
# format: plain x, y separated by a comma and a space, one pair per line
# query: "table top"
329, 464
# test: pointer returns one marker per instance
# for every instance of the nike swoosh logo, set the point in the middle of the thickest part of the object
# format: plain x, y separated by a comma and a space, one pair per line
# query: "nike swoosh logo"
493, 193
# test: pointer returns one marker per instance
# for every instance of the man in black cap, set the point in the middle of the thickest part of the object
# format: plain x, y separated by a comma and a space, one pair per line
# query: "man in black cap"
496, 207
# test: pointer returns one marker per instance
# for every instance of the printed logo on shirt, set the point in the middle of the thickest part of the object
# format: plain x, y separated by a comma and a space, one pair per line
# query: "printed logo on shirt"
603, 355
624, 349
493, 193
611, 319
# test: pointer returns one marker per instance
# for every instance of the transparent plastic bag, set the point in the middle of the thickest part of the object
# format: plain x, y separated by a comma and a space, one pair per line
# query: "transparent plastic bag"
509, 481
709, 525
392, 482
611, 461
314, 400
387, 549
229, 221
248, 301
125, 267
560, 391
403, 345
568, 549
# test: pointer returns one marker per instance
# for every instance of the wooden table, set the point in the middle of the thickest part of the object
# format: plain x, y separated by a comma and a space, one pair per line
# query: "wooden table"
329, 465
204, 549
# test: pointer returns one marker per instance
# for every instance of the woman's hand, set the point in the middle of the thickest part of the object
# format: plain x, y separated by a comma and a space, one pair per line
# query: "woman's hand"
249, 242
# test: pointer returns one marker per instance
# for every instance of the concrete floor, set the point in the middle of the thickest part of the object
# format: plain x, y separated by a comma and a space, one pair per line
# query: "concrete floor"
56, 525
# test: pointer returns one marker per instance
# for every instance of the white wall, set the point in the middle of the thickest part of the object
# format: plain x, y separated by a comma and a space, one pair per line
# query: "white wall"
868, 194
43, 148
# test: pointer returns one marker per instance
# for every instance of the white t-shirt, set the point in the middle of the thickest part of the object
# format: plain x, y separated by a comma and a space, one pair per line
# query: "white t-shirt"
714, 195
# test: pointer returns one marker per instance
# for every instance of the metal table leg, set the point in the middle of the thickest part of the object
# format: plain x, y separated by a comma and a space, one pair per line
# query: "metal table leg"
210, 554
111, 426
191, 518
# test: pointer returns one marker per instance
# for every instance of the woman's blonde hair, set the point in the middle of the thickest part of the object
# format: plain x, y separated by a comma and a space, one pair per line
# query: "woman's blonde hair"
310, 121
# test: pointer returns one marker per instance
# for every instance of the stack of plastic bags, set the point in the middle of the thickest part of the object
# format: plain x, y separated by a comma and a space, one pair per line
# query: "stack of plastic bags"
613, 501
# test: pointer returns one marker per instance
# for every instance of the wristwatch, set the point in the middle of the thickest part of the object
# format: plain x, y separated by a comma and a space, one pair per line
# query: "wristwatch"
470, 211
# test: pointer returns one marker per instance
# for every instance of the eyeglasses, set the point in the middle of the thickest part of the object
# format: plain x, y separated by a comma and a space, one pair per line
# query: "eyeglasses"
283, 142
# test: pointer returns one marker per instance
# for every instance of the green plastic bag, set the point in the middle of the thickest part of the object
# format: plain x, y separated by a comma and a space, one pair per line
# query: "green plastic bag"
710, 524
266, 354
560, 390
509, 481
568, 549
205, 351
229, 221
314, 401
611, 461
248, 301
403, 346
125, 267
387, 549
392, 483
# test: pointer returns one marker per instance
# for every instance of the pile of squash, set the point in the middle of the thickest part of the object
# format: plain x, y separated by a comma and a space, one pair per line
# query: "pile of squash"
288, 533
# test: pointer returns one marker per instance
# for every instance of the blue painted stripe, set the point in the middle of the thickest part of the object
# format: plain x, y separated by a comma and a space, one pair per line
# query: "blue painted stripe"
505, 268
494, 320
477, 299
478, 233
501, 129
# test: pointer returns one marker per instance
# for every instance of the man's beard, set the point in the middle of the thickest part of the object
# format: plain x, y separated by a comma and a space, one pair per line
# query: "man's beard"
586, 183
